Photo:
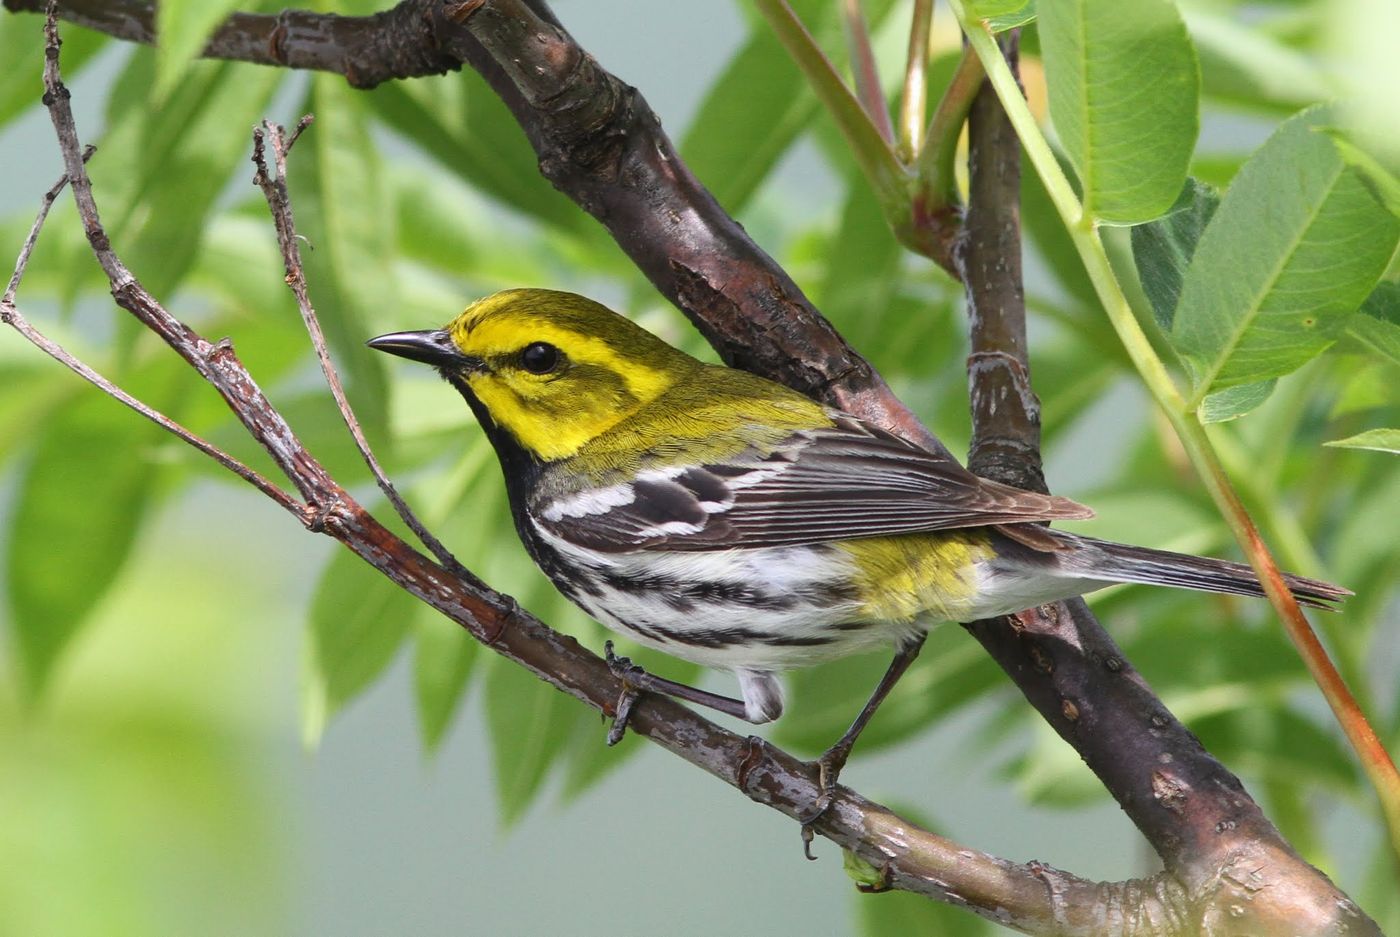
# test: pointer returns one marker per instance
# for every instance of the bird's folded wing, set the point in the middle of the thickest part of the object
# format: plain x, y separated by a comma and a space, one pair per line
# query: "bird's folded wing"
816, 486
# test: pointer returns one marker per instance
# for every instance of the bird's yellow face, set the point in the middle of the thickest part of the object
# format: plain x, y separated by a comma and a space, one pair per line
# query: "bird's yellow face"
552, 369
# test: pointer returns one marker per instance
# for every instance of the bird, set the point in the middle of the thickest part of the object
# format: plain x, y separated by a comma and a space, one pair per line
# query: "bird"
728, 520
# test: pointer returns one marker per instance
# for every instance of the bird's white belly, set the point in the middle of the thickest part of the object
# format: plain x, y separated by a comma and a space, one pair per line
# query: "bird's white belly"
771, 608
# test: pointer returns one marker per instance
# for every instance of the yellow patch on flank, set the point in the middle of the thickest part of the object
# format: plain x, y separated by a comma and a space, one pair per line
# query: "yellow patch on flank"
900, 578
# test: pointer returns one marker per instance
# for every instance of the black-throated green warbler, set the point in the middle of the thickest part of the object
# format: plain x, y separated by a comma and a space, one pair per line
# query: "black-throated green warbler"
728, 520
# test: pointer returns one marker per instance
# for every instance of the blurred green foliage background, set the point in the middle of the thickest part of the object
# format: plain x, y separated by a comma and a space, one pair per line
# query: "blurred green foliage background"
213, 723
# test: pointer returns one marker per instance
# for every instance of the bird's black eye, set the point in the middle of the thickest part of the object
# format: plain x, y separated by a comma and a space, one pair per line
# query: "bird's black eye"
539, 358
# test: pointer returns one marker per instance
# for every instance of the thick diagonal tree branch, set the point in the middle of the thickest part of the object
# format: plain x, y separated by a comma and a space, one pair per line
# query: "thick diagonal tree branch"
600, 144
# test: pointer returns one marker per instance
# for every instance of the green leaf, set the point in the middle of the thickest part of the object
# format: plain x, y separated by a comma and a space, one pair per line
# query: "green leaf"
986, 9
32, 390
1381, 440
345, 212
448, 227
1051, 774
161, 170
1218, 169
443, 662
1366, 385
1123, 88
1296, 245
860, 871
951, 672
1162, 249
317, 419
1271, 740
737, 136
1013, 20
1245, 65
460, 122
1069, 388
182, 29
1378, 326
822, 701
22, 51
235, 244
1157, 517
354, 7
1380, 180
589, 758
863, 269
1171, 658
901, 912
359, 619
530, 724
1234, 402
77, 511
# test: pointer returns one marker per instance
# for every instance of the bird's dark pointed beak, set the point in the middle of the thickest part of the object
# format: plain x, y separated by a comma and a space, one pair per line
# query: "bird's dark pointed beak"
433, 346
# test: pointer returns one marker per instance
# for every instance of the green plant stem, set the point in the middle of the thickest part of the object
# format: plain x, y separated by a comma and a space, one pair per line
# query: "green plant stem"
1294, 546
937, 183
875, 156
1374, 759
912, 102
867, 76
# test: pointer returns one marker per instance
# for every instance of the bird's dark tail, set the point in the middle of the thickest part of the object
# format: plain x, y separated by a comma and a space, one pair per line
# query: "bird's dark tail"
1119, 562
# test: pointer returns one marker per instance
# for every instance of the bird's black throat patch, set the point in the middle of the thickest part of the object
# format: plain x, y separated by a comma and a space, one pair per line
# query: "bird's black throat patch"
520, 468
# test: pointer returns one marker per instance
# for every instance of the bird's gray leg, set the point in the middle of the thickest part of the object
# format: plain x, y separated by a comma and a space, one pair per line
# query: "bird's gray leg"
832, 760
636, 680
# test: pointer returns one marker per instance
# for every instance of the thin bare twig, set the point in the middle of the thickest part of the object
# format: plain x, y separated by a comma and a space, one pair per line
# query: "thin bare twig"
215, 362
274, 188
25, 251
10, 315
